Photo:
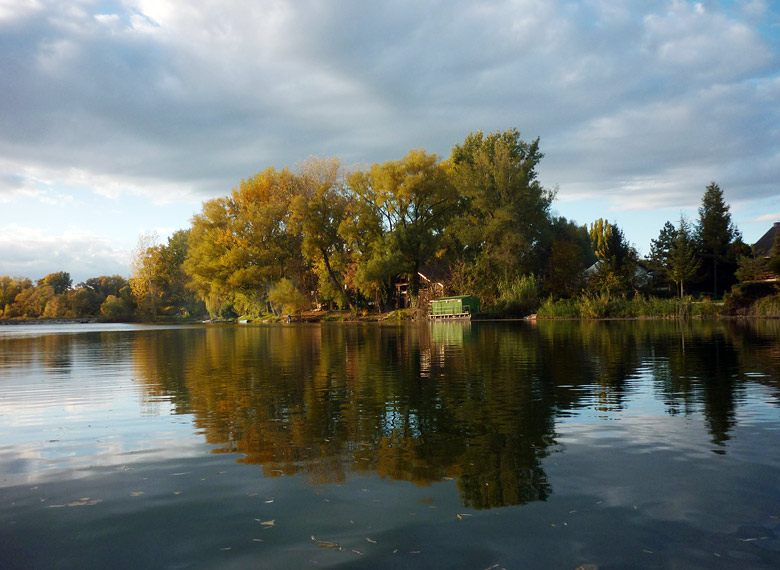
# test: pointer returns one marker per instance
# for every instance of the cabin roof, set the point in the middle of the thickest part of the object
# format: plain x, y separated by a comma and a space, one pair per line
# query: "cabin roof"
764, 245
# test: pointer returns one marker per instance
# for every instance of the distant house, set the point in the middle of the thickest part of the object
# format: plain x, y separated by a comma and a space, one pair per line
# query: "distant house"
432, 278
764, 245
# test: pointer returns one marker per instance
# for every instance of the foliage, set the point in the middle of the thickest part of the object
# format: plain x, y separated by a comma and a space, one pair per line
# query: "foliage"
616, 270
502, 216
744, 297
773, 263
406, 204
240, 245
319, 211
570, 254
682, 262
752, 268
288, 299
59, 282
518, 297
602, 306
716, 233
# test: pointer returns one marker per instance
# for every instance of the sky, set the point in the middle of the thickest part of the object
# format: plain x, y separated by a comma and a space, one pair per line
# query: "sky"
119, 118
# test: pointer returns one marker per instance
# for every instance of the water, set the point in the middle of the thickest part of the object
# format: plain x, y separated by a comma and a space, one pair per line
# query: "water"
444, 445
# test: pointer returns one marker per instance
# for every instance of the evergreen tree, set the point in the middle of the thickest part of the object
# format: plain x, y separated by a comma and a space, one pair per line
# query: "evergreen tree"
715, 231
683, 262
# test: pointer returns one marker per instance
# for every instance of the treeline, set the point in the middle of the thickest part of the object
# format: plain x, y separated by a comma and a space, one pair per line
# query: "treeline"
478, 222
55, 297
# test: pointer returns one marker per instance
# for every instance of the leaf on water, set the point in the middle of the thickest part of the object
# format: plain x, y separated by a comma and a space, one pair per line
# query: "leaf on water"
257, 540
177, 492
270, 501
460, 517
357, 552
83, 503
372, 541
227, 548
136, 493
180, 474
267, 523
325, 543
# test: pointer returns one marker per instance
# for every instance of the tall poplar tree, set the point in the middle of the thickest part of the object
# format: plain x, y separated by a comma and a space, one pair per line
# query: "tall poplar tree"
504, 211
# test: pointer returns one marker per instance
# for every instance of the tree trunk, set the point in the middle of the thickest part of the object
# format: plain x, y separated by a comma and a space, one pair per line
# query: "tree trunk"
335, 280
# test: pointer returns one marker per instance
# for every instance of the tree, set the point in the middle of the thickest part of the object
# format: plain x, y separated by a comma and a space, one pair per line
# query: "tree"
715, 230
287, 298
617, 265
319, 210
411, 199
660, 250
145, 279
241, 244
773, 263
683, 261
59, 281
570, 253
10, 287
503, 210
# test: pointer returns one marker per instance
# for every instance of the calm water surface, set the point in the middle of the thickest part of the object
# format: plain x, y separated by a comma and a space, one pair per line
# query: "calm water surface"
444, 445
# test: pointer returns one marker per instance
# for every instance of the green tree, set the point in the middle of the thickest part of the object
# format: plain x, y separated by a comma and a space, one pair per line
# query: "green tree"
570, 253
503, 210
59, 281
715, 231
660, 250
616, 270
411, 198
683, 261
773, 263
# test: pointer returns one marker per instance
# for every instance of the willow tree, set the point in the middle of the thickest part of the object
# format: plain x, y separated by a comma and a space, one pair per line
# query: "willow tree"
412, 198
240, 245
503, 211
319, 209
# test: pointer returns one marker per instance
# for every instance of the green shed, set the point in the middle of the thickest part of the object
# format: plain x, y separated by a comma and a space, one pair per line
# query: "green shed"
462, 307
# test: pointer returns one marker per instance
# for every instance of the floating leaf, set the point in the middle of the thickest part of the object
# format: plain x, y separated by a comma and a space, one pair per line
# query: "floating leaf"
136, 493
372, 541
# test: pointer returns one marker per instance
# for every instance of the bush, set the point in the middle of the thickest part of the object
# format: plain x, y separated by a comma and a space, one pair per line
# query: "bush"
518, 297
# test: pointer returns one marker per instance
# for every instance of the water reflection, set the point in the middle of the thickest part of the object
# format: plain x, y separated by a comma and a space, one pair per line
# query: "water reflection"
478, 402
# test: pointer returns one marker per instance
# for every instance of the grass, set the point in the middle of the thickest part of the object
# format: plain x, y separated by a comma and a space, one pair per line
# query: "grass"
610, 307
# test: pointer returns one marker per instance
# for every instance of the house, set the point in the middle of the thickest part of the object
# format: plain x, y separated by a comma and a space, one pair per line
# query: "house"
764, 245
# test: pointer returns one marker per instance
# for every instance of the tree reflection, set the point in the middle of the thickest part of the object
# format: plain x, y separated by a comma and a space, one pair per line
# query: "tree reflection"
477, 402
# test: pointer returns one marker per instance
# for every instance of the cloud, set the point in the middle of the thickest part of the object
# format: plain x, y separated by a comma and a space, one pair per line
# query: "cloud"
35, 253
641, 104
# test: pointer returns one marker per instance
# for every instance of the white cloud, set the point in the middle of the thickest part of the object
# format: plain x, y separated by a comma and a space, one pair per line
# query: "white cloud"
34, 253
638, 103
